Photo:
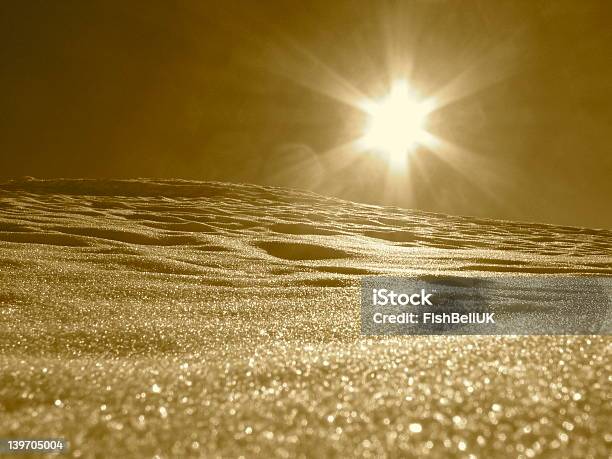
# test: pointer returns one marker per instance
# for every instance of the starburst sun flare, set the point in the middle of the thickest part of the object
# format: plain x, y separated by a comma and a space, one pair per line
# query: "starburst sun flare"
396, 123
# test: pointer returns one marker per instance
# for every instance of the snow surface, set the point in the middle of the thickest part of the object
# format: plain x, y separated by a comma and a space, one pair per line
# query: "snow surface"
183, 318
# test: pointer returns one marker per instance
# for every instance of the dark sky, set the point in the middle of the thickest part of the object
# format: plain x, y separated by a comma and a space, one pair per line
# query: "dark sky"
252, 91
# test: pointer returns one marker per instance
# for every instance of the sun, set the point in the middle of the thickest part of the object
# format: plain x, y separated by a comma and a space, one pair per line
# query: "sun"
396, 123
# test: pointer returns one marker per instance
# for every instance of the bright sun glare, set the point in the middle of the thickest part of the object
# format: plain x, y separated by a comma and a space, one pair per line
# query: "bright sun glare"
396, 123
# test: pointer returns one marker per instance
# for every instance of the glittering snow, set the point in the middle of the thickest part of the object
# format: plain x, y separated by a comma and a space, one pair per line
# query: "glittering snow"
176, 318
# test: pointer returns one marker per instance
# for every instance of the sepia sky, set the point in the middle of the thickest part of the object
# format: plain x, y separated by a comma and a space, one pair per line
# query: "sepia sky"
268, 92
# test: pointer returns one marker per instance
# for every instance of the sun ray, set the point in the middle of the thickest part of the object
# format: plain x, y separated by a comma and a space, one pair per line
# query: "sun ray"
495, 65
465, 163
301, 66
